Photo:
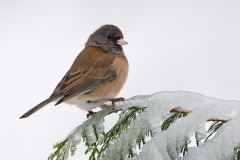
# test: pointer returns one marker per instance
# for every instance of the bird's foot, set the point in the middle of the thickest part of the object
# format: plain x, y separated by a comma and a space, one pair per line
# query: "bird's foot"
90, 113
113, 100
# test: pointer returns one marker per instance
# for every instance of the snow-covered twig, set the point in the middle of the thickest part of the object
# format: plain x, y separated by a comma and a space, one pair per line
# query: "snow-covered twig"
160, 129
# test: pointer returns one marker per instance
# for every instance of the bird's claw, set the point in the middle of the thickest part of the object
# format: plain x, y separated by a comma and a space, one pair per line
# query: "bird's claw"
90, 113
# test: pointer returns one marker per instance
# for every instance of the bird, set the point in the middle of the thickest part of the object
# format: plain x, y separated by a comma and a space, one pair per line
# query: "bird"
97, 74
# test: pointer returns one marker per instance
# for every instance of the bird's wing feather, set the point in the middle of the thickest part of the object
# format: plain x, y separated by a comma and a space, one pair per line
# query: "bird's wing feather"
85, 79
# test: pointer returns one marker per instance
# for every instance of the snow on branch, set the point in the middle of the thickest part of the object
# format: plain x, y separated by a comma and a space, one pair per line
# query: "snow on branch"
160, 126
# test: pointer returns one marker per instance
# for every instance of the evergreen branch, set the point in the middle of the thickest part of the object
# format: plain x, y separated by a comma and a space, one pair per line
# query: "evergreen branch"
140, 141
184, 149
58, 152
166, 123
172, 119
125, 120
197, 141
213, 129
88, 131
130, 151
98, 142
236, 155
137, 125
179, 112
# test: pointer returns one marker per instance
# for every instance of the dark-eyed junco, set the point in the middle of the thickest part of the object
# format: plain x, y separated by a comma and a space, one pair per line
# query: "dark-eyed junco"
97, 74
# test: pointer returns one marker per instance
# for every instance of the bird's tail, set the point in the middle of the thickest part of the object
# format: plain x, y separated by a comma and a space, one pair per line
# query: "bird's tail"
38, 107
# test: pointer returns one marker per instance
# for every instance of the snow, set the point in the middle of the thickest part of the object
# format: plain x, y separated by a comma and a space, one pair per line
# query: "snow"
167, 144
221, 147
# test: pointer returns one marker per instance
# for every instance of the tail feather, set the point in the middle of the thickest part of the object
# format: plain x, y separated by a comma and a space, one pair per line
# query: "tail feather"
38, 107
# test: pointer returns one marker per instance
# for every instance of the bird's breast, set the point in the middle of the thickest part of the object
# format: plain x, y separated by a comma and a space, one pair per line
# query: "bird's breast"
113, 87
120, 63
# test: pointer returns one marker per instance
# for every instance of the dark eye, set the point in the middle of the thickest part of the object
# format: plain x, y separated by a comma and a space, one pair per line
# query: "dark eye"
109, 37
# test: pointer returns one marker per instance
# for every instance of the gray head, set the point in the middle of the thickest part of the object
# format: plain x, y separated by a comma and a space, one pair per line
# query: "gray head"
109, 38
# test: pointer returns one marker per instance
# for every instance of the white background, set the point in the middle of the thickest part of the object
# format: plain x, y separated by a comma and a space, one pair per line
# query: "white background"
173, 45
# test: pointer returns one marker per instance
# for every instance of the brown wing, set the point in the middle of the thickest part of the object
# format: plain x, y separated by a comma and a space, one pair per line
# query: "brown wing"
86, 77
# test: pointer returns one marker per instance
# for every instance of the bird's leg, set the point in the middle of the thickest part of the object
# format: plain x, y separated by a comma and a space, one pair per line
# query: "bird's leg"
90, 113
113, 100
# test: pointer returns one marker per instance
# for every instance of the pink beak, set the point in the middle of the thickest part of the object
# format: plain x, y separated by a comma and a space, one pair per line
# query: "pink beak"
121, 42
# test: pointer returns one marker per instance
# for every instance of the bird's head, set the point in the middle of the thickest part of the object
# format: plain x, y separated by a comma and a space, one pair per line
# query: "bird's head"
109, 38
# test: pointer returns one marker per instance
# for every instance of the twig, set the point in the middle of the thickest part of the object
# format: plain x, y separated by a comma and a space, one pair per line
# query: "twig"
182, 110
